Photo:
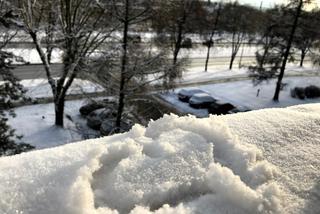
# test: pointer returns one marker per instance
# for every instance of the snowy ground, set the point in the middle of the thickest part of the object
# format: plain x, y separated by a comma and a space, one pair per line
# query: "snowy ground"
197, 74
35, 123
243, 93
199, 51
40, 88
258, 162
32, 56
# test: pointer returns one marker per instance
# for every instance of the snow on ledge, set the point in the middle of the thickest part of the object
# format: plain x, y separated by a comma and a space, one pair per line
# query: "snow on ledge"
175, 165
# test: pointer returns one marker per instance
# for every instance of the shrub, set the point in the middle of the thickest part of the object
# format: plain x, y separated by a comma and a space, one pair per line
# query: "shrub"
312, 91
298, 92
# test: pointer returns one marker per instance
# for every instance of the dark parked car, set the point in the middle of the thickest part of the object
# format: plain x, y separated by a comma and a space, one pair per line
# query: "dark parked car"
185, 94
187, 43
201, 100
95, 118
108, 127
220, 108
239, 109
90, 107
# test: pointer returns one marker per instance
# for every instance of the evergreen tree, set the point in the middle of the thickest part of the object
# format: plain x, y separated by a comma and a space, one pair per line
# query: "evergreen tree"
269, 57
277, 49
10, 90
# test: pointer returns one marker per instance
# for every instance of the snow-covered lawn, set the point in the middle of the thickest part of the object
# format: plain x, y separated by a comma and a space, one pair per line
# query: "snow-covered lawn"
40, 88
257, 162
32, 56
197, 74
244, 93
200, 51
36, 124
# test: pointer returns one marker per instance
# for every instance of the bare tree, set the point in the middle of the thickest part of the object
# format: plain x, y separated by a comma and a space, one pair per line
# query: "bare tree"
239, 22
78, 33
175, 19
214, 28
307, 33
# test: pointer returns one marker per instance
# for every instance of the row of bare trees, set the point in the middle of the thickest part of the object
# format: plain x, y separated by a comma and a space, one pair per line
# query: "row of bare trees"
85, 30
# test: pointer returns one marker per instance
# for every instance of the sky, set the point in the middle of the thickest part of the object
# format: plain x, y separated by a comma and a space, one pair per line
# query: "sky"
265, 3
270, 3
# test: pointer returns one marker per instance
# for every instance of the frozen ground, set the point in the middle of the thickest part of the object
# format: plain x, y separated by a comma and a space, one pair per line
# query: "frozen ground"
35, 123
243, 93
258, 162
40, 88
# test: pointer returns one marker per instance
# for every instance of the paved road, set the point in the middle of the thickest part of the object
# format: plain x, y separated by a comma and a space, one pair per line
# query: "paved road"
34, 71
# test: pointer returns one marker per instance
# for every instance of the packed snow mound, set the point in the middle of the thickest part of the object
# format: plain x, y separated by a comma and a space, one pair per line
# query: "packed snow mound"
175, 165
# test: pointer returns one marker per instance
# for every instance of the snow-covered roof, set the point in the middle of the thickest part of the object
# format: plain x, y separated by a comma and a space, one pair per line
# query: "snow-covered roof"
263, 161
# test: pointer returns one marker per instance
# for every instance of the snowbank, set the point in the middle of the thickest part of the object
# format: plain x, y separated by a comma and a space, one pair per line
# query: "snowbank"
175, 165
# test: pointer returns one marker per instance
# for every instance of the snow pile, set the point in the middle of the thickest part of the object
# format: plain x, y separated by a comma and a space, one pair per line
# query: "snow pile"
175, 165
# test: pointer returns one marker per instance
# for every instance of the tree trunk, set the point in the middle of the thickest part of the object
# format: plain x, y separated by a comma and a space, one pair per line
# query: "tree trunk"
236, 43
211, 38
265, 52
49, 55
59, 111
123, 67
231, 61
287, 52
177, 47
176, 51
208, 56
120, 105
241, 57
303, 55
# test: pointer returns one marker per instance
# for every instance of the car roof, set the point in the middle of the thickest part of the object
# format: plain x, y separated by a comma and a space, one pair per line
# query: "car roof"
202, 95
189, 90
